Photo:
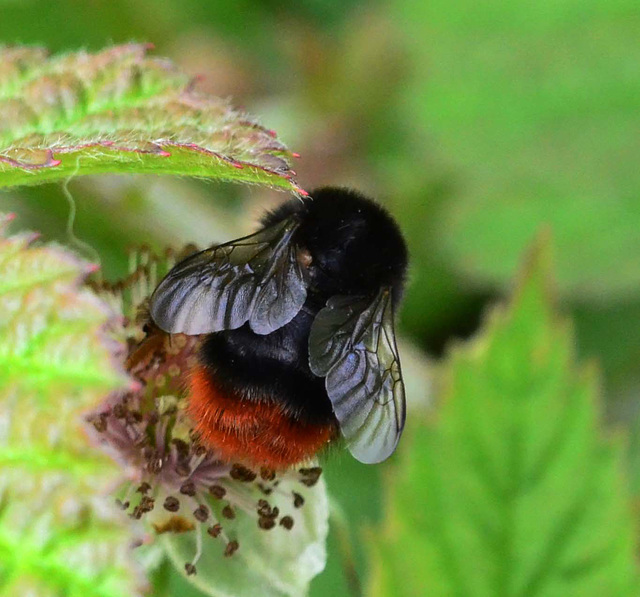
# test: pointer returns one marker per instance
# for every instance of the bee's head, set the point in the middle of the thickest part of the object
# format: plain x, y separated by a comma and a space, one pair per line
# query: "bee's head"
355, 245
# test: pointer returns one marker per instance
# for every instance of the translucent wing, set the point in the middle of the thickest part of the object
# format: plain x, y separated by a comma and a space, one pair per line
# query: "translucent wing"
352, 344
256, 278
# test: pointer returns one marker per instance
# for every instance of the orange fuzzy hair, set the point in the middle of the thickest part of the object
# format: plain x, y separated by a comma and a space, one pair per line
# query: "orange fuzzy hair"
251, 432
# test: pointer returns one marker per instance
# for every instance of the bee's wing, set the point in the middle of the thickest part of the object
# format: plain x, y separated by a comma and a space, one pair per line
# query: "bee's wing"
352, 344
256, 278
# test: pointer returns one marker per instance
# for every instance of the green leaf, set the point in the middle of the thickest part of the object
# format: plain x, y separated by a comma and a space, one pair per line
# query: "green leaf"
121, 111
533, 106
512, 490
272, 563
58, 533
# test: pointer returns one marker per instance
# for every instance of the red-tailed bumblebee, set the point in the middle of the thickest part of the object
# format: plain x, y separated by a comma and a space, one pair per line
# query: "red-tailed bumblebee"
299, 324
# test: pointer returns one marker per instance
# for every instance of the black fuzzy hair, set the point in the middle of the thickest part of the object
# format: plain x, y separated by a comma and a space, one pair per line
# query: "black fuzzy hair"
355, 245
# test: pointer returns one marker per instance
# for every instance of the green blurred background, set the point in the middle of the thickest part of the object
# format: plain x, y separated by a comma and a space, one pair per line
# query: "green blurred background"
475, 123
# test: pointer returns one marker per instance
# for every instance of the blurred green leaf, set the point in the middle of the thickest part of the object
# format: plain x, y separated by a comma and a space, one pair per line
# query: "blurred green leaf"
58, 534
512, 491
120, 111
271, 563
534, 105
612, 335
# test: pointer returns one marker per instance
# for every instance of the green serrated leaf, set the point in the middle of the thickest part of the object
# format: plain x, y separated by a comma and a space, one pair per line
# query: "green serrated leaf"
58, 534
273, 563
121, 111
511, 491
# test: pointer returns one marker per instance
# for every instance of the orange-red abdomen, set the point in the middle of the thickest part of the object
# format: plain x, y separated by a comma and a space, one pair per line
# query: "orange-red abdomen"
257, 433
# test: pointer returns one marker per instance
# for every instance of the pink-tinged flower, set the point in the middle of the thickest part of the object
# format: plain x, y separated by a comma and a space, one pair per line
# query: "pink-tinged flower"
173, 482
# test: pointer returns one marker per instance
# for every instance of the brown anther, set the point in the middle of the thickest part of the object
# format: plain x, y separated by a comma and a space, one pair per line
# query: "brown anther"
231, 548
228, 512
217, 491
147, 503
188, 249
181, 447
134, 417
199, 450
119, 411
100, 424
201, 513
144, 488
242, 473
182, 469
137, 513
267, 474
175, 524
215, 530
264, 489
122, 505
264, 509
298, 500
190, 569
314, 471
265, 523
287, 522
172, 504
188, 488
310, 475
